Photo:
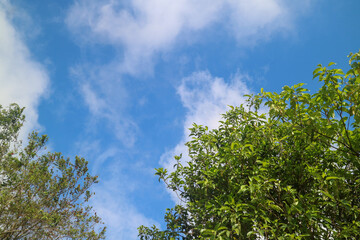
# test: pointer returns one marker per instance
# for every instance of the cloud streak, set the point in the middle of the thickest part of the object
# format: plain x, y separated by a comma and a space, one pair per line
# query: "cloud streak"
106, 98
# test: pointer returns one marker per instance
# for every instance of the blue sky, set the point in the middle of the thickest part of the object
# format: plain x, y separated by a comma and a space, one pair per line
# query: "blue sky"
120, 82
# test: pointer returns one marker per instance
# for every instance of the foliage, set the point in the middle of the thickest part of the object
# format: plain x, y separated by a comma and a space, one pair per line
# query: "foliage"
42, 195
292, 173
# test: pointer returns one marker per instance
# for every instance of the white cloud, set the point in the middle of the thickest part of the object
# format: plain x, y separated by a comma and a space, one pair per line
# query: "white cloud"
143, 28
22, 79
205, 97
257, 19
111, 201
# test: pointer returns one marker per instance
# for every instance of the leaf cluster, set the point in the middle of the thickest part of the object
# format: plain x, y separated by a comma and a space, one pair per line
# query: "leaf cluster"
290, 173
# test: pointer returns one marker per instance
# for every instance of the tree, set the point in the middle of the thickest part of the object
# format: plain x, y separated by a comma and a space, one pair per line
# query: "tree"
42, 195
290, 173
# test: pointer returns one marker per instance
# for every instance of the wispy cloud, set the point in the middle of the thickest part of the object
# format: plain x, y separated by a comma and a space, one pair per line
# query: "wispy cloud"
144, 28
140, 31
23, 80
106, 98
205, 98
112, 200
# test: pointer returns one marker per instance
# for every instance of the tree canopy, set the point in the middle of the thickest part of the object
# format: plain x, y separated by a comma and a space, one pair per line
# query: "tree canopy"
42, 195
282, 166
